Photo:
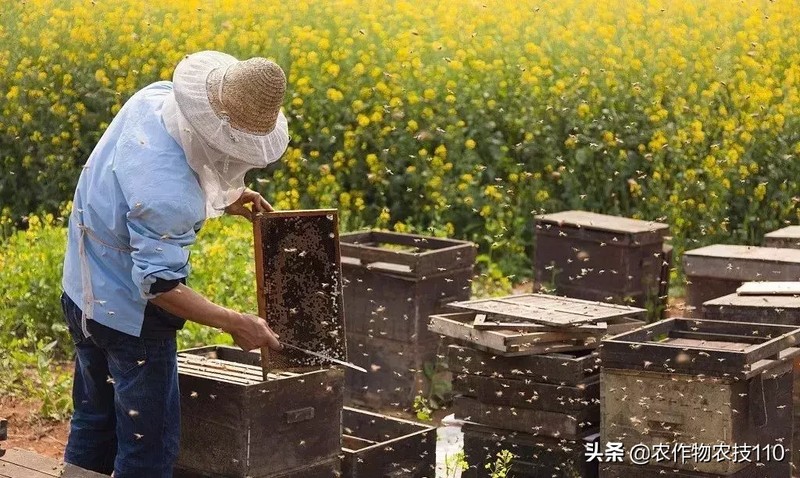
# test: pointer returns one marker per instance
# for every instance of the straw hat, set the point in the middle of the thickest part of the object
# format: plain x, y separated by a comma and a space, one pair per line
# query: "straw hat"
235, 106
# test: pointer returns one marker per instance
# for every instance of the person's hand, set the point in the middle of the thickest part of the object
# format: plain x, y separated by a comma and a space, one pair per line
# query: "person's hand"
251, 332
256, 200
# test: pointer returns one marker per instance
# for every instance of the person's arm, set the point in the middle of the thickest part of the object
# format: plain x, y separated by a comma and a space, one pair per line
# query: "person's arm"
248, 331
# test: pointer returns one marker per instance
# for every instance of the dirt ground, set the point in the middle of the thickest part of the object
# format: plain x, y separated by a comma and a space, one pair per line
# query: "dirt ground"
28, 432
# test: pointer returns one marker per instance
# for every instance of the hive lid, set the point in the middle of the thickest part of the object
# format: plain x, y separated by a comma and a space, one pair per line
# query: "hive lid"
769, 288
604, 222
775, 302
548, 309
298, 274
790, 232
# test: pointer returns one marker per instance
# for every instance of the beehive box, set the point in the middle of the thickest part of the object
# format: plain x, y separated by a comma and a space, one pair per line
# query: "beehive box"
234, 421
375, 445
554, 395
769, 309
718, 270
17, 463
764, 309
788, 237
234, 424
393, 282
700, 381
568, 368
599, 257
534, 456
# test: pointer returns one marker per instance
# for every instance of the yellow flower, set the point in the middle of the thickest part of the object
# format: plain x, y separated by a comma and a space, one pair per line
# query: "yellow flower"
469, 144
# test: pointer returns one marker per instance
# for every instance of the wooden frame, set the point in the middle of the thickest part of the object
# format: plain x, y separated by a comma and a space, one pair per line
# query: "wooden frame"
507, 342
316, 323
527, 341
547, 310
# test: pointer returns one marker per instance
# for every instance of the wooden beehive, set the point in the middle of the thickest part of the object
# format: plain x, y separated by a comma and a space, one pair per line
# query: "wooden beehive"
235, 424
604, 258
17, 463
788, 237
393, 282
764, 309
566, 368
700, 381
718, 270
375, 445
534, 456
553, 395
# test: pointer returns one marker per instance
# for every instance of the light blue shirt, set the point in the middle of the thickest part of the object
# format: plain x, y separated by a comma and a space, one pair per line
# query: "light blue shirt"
138, 205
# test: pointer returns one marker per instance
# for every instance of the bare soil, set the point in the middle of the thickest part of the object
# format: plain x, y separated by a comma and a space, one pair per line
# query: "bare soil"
29, 432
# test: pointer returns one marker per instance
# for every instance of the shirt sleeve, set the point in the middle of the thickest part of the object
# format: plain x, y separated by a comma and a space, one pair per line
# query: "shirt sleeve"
160, 230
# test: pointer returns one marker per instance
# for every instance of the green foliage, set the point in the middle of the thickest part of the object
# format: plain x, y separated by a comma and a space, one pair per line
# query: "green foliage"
421, 407
450, 117
502, 465
453, 464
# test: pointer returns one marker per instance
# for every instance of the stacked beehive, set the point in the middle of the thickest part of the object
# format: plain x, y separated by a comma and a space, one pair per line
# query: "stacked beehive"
604, 258
526, 379
765, 303
683, 386
392, 283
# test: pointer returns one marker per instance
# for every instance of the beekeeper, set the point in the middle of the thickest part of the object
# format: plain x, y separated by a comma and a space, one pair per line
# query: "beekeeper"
175, 155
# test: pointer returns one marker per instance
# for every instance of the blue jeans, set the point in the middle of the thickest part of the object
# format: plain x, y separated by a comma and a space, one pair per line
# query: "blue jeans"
127, 405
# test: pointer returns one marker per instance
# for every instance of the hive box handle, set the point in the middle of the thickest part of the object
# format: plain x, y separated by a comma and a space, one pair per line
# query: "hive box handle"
300, 415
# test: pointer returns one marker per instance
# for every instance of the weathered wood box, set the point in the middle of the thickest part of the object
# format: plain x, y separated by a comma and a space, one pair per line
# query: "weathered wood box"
378, 446
553, 395
788, 237
234, 424
566, 368
17, 463
764, 309
700, 381
534, 456
235, 421
392, 283
604, 258
718, 270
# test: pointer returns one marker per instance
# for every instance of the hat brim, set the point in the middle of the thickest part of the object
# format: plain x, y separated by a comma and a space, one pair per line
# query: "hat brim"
191, 95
